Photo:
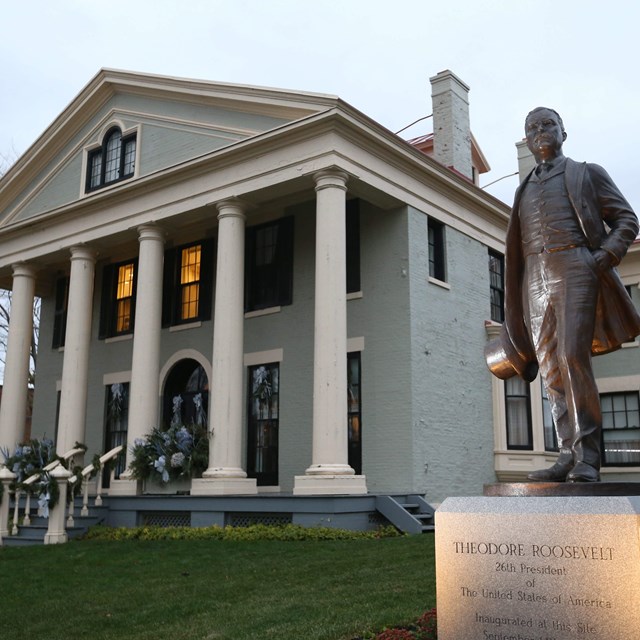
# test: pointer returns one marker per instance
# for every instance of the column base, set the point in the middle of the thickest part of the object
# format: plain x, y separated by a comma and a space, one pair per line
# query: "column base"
224, 486
310, 485
125, 487
55, 538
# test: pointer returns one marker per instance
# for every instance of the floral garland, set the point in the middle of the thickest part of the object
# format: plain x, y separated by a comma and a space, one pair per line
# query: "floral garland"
30, 458
177, 452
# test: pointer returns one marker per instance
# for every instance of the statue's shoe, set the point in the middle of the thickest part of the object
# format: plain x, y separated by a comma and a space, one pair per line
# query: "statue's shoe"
557, 473
583, 472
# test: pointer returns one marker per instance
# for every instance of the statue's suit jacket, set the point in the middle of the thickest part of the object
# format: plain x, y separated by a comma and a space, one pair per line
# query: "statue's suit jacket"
596, 200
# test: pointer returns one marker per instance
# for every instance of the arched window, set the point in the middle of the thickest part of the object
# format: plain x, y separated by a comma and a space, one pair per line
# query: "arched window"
113, 161
186, 395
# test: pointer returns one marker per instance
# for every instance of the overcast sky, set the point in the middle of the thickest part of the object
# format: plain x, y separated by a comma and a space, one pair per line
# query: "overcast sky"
577, 56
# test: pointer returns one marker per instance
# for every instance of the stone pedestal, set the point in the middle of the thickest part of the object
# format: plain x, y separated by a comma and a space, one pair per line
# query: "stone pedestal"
538, 568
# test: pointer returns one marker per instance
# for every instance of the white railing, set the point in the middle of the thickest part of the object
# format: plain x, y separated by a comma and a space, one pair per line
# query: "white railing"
68, 455
56, 531
85, 474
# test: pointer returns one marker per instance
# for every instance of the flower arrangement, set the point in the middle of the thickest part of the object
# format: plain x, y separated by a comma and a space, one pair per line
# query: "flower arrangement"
181, 451
29, 458
32, 457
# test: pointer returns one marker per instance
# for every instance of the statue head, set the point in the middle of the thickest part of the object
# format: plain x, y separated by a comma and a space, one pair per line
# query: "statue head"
545, 134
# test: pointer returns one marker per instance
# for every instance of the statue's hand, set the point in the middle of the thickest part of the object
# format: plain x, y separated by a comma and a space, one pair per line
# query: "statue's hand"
603, 259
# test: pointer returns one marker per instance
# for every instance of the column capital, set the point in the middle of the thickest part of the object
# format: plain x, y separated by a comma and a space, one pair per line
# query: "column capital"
83, 252
150, 232
333, 177
231, 208
23, 269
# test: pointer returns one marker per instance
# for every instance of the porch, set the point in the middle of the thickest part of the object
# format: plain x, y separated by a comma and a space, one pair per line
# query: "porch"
409, 513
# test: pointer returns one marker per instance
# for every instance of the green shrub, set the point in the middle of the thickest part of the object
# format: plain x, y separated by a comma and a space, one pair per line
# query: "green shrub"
287, 533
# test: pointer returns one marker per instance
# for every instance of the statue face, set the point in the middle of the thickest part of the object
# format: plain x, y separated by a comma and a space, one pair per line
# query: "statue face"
544, 135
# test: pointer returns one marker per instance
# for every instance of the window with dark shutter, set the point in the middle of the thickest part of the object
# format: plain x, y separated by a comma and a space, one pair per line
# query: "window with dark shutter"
188, 279
117, 310
353, 246
269, 265
437, 253
60, 313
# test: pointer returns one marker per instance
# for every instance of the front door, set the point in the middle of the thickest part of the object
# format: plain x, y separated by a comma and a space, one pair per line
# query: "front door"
263, 398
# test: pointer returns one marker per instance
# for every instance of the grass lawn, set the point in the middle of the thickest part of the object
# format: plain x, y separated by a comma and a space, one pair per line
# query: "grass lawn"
214, 589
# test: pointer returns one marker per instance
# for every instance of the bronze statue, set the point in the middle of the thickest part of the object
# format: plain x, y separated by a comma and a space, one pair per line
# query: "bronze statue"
564, 301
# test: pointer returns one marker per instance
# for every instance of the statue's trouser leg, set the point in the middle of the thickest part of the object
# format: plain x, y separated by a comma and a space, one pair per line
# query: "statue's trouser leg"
562, 290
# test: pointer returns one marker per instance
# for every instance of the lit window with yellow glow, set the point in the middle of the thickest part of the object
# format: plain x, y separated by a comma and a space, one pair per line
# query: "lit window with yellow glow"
124, 297
190, 282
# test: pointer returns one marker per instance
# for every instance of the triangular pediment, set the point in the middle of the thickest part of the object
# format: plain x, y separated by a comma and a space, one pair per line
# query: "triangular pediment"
172, 121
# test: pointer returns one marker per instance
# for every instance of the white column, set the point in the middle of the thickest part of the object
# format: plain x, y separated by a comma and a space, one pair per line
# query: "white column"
144, 397
225, 474
13, 408
73, 394
330, 472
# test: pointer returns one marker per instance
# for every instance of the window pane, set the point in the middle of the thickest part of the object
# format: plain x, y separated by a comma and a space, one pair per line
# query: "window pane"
620, 432
262, 452
518, 414
116, 418
190, 297
125, 281
123, 317
189, 281
95, 169
124, 294
129, 157
550, 437
619, 403
436, 249
496, 286
114, 149
190, 265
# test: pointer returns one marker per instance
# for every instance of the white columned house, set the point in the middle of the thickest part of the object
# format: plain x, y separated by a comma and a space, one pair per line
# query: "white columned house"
73, 393
225, 474
145, 362
330, 471
13, 409
302, 235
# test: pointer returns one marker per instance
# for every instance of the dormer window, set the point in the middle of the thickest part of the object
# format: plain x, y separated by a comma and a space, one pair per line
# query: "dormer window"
113, 161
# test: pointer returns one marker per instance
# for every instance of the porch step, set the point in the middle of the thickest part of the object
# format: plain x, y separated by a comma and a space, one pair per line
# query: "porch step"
34, 533
411, 513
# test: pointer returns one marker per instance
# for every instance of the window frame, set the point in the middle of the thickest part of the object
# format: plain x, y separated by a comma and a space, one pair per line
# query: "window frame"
126, 159
436, 240
109, 301
526, 399
282, 266
353, 246
256, 432
605, 430
354, 411
116, 436
172, 287
496, 286
548, 425
60, 312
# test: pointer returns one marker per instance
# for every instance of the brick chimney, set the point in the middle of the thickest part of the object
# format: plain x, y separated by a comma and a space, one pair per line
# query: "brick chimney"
451, 128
